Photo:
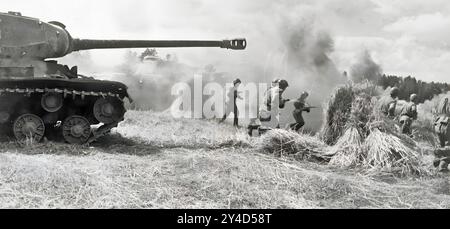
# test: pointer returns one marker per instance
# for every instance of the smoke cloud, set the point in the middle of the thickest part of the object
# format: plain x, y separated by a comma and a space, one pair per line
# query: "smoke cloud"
286, 40
365, 68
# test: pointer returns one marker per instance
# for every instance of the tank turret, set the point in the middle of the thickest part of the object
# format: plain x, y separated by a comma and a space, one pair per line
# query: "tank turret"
24, 37
25, 40
39, 97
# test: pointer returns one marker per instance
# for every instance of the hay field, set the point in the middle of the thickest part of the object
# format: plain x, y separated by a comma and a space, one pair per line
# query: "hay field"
155, 161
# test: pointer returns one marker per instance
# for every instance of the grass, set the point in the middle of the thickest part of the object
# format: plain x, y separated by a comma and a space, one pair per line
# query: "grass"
154, 161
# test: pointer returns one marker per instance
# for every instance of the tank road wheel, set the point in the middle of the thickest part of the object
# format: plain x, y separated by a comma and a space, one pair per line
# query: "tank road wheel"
52, 102
29, 127
108, 110
76, 129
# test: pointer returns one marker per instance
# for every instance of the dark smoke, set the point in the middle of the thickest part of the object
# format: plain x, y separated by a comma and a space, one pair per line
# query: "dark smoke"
365, 68
309, 66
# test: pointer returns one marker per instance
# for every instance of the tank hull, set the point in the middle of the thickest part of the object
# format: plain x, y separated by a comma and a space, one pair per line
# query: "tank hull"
53, 102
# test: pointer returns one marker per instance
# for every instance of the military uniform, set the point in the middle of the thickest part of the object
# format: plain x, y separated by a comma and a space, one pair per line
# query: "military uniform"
388, 105
442, 155
273, 101
442, 121
300, 106
407, 115
231, 105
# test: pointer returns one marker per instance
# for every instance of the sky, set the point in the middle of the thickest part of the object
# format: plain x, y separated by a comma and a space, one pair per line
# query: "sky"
405, 37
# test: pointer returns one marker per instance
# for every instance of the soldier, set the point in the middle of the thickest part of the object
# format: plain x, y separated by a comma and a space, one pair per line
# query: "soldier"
389, 103
408, 114
268, 115
441, 123
275, 82
231, 105
273, 99
300, 106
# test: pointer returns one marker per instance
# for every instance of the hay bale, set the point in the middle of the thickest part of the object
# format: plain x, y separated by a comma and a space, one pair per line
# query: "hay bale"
288, 143
388, 151
278, 142
350, 105
337, 114
348, 150
362, 109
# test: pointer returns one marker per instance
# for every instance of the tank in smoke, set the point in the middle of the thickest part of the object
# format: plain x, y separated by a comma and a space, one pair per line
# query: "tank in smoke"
39, 97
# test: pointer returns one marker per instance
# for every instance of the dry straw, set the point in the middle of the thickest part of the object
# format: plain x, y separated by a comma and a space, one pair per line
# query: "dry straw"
387, 151
288, 143
348, 150
337, 114
349, 104
369, 139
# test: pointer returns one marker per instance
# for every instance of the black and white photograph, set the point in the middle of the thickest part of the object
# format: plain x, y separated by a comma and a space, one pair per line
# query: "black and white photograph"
243, 105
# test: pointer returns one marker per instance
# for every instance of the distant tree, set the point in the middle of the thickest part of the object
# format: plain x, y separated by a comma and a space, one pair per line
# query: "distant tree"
409, 85
148, 52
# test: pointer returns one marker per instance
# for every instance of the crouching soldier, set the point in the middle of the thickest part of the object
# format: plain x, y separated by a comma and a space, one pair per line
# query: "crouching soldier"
300, 106
273, 101
389, 103
408, 115
268, 114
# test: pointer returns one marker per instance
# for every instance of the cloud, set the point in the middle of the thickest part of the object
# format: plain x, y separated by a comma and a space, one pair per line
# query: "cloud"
395, 9
431, 29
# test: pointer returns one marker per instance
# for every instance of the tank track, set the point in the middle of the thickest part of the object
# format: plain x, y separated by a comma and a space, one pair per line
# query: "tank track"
65, 92
97, 133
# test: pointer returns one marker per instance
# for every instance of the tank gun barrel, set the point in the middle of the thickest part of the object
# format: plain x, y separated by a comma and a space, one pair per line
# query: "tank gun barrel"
86, 44
30, 38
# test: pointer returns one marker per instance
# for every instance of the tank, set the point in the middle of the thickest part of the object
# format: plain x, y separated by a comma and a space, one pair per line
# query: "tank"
41, 98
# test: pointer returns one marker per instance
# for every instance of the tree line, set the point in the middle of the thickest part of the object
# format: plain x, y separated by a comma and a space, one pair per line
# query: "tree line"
410, 85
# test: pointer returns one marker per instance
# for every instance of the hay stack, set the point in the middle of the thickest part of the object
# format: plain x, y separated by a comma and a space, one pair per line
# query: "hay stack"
351, 104
337, 114
278, 142
388, 151
288, 143
348, 150
372, 140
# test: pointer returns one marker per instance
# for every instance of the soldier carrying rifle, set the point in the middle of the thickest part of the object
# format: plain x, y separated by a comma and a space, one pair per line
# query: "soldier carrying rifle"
300, 106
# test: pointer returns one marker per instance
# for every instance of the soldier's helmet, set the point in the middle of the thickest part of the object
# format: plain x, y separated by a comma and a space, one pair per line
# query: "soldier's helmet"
304, 94
275, 82
283, 84
236, 81
413, 98
394, 92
